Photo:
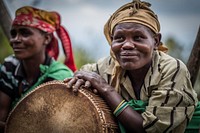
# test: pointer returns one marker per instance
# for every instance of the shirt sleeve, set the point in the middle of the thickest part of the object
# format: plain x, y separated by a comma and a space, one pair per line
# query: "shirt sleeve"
172, 101
8, 82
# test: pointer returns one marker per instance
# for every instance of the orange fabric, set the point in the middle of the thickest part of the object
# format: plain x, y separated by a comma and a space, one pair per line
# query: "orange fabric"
48, 22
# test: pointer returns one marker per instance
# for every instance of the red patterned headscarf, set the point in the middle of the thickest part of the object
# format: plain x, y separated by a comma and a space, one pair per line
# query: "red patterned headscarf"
47, 22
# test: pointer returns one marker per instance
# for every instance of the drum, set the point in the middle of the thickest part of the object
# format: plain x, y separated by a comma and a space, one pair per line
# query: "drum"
52, 108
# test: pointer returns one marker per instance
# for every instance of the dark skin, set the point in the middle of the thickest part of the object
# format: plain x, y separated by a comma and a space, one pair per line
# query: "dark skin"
29, 46
132, 45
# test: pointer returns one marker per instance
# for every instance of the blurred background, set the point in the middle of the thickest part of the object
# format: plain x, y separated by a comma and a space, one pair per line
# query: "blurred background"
85, 19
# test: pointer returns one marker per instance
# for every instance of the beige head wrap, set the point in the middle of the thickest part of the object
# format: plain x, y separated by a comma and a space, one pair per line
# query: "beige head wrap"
137, 12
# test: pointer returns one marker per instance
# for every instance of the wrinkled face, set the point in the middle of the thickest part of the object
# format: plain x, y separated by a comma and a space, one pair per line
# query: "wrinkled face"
27, 42
133, 45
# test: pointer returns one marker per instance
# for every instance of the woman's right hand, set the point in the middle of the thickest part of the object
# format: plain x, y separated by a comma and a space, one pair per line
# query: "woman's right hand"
88, 80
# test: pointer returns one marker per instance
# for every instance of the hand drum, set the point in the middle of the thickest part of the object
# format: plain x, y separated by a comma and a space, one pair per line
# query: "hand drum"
52, 108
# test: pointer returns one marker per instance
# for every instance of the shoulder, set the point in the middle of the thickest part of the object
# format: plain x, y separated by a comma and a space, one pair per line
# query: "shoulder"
56, 70
168, 63
8, 79
10, 63
11, 59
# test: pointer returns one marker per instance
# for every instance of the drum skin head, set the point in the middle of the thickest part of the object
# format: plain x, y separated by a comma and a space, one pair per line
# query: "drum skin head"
52, 108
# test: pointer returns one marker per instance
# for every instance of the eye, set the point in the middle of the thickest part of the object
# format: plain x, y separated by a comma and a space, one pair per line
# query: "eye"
13, 33
118, 38
25, 32
137, 38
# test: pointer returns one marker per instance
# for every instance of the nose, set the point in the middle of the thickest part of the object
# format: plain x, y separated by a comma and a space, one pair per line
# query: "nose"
128, 45
15, 39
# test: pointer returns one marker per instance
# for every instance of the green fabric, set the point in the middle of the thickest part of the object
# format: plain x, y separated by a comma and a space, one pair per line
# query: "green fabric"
193, 126
56, 70
137, 105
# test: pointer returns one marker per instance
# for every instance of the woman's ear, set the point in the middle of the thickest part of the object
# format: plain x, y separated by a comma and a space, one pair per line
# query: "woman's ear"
111, 37
157, 38
48, 38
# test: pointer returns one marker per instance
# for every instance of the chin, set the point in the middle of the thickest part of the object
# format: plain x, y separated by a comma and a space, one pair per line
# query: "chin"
20, 57
129, 67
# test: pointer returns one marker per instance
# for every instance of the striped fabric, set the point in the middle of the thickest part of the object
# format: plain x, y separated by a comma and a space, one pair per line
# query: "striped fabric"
8, 80
167, 89
11, 74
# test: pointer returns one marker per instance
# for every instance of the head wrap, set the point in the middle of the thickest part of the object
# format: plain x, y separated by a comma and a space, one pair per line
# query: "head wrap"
133, 12
47, 22
137, 12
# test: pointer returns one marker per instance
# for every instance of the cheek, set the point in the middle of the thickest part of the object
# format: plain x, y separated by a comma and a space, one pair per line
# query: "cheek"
115, 48
146, 49
35, 41
29, 43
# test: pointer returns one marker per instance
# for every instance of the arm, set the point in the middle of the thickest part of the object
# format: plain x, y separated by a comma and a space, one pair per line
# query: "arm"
5, 102
129, 118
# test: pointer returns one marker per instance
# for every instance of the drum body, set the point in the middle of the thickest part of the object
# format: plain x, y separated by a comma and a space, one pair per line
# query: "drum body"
52, 108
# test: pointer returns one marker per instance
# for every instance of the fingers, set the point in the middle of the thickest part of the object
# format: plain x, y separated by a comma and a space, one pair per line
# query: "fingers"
77, 85
67, 80
70, 82
74, 83
95, 91
82, 79
87, 84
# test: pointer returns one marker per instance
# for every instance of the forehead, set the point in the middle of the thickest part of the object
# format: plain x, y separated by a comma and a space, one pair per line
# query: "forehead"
21, 27
131, 26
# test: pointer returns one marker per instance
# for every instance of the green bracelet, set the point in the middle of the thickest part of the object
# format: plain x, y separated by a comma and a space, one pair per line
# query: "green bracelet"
118, 106
121, 108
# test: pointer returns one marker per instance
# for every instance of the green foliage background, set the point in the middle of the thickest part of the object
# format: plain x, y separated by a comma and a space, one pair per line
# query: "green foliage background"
5, 48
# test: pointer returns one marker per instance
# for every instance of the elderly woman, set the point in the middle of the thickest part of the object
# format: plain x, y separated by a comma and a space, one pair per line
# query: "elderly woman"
147, 90
35, 50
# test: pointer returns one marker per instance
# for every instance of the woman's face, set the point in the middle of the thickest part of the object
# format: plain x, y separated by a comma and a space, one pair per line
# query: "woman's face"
27, 42
133, 45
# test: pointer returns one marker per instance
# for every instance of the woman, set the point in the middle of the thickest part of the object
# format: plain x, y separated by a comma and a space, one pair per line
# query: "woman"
147, 90
35, 50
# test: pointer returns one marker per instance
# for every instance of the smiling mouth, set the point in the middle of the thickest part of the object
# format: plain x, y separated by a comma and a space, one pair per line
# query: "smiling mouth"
128, 56
18, 49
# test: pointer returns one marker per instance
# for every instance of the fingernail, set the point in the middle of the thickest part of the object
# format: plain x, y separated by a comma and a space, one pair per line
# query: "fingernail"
68, 86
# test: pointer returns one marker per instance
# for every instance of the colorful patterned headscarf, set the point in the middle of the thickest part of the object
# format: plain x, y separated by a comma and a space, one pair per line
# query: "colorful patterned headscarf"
47, 22
137, 12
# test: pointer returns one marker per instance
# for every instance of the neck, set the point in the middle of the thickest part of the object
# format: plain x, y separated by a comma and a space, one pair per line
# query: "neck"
32, 69
138, 75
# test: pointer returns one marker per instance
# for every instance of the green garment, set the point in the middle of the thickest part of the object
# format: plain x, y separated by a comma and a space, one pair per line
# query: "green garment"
137, 105
56, 71
193, 126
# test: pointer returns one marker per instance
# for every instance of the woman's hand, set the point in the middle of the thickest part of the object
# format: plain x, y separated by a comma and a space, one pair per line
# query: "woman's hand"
88, 80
